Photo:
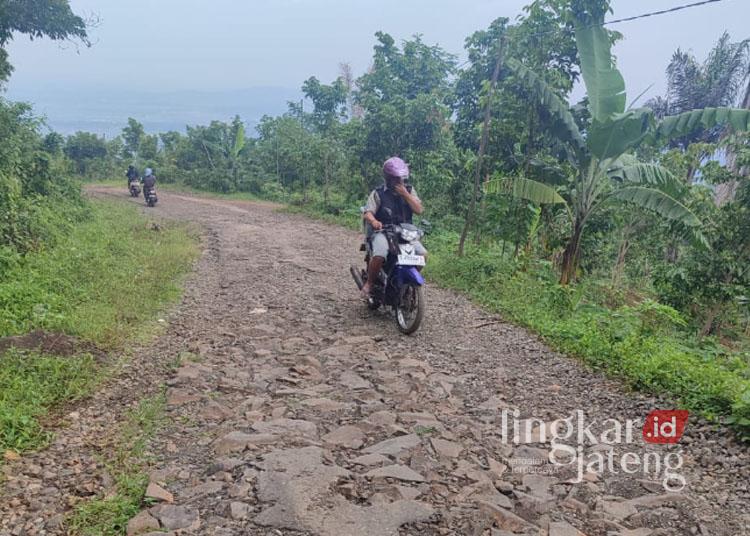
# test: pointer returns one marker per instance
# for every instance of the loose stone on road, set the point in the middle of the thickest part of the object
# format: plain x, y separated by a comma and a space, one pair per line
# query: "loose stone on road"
302, 413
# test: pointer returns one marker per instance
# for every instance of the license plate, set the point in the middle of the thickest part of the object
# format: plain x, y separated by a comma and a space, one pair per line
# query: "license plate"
410, 260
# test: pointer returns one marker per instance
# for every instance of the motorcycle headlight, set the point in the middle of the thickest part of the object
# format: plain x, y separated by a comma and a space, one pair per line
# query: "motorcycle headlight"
409, 235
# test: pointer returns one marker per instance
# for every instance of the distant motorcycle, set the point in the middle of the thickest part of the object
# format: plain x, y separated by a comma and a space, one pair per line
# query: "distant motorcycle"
399, 285
134, 185
150, 195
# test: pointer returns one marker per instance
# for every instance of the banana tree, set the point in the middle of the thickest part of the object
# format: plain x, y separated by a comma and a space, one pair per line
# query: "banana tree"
606, 173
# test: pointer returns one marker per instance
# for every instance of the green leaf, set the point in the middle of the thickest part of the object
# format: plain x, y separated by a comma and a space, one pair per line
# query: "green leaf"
647, 174
239, 141
527, 189
658, 202
564, 124
615, 136
604, 83
676, 126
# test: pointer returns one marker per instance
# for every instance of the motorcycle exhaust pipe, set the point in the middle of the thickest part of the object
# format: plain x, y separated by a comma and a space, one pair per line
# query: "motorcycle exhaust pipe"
357, 278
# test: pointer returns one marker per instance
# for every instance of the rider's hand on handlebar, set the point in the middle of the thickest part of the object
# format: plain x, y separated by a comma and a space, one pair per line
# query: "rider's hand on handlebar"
377, 225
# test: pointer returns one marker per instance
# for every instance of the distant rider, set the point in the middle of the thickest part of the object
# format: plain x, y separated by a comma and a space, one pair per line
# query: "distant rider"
149, 182
392, 203
131, 174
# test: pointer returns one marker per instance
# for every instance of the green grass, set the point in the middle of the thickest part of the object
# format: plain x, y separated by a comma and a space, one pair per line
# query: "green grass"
107, 282
109, 515
31, 384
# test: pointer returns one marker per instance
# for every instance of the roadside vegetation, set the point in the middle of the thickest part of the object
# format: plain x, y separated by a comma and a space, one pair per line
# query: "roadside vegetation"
104, 283
617, 230
92, 272
109, 516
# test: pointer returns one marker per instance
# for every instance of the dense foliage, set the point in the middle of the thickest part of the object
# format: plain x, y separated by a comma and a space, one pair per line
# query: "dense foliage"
591, 195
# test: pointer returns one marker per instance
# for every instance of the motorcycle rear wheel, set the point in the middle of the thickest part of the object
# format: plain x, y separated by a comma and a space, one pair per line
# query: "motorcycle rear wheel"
410, 309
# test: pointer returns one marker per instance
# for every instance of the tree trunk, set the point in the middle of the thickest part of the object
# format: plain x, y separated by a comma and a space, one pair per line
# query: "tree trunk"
570, 255
728, 190
482, 210
326, 175
471, 213
708, 324
622, 251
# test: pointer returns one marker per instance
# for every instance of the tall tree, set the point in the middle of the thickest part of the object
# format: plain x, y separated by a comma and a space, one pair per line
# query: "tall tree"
715, 82
328, 101
37, 18
134, 135
405, 98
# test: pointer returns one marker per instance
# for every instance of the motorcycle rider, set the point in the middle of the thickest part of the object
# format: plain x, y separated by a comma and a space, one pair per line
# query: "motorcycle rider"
131, 174
394, 202
149, 182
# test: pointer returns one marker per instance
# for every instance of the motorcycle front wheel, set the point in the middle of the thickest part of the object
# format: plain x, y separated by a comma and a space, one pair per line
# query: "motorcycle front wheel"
410, 309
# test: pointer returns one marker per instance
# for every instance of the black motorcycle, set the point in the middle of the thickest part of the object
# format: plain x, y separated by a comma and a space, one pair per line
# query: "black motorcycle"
400, 285
150, 195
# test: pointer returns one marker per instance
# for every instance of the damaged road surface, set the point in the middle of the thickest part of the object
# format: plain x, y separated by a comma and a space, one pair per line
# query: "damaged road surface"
295, 411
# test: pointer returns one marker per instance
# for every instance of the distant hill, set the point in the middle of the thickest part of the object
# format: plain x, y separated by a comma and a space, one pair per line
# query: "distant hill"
107, 111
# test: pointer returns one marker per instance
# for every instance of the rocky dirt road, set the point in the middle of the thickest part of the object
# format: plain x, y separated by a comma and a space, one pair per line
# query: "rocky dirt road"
298, 412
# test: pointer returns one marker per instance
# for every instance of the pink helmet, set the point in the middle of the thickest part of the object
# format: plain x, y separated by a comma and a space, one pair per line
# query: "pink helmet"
396, 168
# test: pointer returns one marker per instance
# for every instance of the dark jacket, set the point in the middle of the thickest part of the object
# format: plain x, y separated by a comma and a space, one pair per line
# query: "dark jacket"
393, 208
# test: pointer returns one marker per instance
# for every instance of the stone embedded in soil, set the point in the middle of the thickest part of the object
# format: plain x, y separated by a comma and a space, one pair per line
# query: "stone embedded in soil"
348, 436
287, 427
238, 441
239, 510
533, 456
532, 503
156, 492
656, 501
539, 485
505, 519
563, 528
298, 486
324, 404
382, 418
177, 517
141, 523
448, 449
496, 468
368, 460
354, 381
619, 510
394, 446
398, 472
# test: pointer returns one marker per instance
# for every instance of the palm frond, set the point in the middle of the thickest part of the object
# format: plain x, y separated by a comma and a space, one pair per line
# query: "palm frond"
565, 126
605, 85
676, 126
527, 189
640, 173
658, 202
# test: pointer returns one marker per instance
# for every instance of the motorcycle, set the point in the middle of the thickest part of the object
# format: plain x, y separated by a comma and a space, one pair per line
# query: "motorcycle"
400, 285
150, 195
135, 187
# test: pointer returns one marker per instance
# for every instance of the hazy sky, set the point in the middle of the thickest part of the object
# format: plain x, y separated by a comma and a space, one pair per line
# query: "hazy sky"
232, 44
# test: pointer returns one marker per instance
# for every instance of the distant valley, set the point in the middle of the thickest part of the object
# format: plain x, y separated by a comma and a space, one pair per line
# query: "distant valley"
106, 112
